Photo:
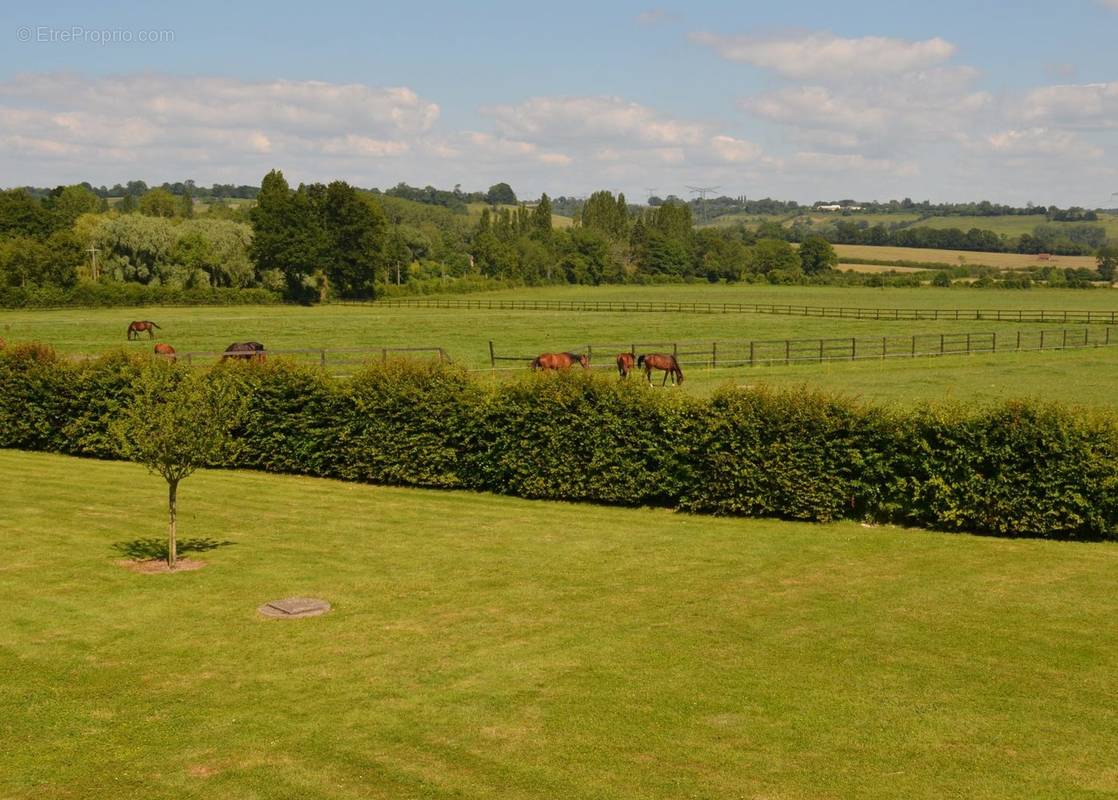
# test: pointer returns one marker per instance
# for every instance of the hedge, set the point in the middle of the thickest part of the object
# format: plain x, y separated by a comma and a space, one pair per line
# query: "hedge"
1013, 469
102, 295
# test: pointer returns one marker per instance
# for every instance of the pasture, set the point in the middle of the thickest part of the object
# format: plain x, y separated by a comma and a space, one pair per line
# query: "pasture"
1080, 376
482, 646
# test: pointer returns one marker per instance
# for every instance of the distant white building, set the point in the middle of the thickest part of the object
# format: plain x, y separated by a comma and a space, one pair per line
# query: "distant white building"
837, 207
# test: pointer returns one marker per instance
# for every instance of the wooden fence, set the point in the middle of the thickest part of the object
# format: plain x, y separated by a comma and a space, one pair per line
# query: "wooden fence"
758, 352
785, 309
328, 358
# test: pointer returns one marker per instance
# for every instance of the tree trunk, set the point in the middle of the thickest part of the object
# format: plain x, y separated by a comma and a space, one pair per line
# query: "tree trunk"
172, 504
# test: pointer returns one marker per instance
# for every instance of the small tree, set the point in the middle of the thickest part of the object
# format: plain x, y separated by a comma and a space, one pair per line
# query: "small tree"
177, 421
817, 255
1107, 261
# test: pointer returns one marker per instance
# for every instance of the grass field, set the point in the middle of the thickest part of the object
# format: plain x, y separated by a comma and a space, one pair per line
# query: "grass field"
485, 647
1079, 376
849, 252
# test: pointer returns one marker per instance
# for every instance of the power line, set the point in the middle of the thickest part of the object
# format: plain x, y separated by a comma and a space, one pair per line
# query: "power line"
702, 192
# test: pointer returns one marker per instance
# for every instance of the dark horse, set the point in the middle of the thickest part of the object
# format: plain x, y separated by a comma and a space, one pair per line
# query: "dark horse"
139, 326
250, 351
165, 350
560, 361
625, 362
664, 361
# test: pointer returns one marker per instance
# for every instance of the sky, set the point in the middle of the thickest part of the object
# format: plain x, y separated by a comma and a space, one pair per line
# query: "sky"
948, 101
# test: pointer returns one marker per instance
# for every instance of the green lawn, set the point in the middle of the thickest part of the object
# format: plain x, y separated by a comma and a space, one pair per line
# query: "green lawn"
1079, 376
486, 647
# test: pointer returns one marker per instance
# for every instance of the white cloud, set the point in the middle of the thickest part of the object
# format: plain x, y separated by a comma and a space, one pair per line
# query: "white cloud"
1040, 142
882, 116
164, 126
734, 150
1091, 105
828, 57
593, 119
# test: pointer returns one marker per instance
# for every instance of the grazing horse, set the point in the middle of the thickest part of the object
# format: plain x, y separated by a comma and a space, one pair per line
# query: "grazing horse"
139, 326
250, 351
625, 363
165, 350
560, 361
664, 361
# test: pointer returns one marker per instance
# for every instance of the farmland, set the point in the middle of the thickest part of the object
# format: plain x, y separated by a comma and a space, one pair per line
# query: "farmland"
466, 333
491, 647
853, 252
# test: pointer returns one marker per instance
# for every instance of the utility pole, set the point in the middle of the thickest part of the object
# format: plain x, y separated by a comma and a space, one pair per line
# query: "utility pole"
702, 192
93, 251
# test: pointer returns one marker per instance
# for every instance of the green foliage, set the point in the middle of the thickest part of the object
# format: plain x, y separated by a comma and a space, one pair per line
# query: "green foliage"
500, 194
159, 203
100, 295
1016, 469
817, 255
771, 255
1107, 260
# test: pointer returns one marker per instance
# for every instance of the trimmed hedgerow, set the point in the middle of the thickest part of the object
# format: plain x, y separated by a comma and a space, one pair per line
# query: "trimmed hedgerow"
1014, 469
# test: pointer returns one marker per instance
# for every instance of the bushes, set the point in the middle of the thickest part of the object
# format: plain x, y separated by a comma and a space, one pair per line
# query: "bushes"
1012, 469
95, 295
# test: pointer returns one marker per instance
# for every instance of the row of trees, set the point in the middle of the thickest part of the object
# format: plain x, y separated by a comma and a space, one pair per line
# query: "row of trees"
1062, 239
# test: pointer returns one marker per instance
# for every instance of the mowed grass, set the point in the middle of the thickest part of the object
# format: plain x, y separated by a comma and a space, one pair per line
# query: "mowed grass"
850, 252
486, 647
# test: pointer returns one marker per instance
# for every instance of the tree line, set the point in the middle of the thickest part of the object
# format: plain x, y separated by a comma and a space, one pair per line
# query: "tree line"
313, 242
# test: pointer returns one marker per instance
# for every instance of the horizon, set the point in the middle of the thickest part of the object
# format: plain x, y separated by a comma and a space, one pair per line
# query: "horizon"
952, 104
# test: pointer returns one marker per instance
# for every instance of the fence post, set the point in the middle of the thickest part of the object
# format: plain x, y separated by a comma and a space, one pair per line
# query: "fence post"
589, 352
968, 344
675, 349
713, 355
384, 355
883, 347
914, 345
820, 351
752, 360
1042, 332
1065, 342
787, 352
994, 342
322, 357
492, 357
941, 344
1108, 334
853, 347
1018, 340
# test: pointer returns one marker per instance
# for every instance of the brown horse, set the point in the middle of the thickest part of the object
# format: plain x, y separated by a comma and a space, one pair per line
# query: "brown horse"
249, 351
139, 326
664, 361
560, 361
165, 350
625, 363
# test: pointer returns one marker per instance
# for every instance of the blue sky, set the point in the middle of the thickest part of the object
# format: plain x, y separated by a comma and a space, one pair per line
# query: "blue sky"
949, 101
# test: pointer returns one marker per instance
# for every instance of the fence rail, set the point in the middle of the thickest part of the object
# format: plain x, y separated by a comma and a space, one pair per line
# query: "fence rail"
785, 309
324, 357
761, 352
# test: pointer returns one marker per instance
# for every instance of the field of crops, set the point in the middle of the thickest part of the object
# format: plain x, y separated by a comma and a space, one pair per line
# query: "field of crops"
1084, 376
852, 252
490, 647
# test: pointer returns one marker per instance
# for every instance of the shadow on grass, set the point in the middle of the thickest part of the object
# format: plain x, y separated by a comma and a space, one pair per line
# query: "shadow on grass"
148, 549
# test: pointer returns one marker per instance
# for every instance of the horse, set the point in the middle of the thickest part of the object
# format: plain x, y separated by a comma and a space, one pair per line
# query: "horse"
560, 361
165, 350
250, 351
139, 326
625, 362
664, 361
